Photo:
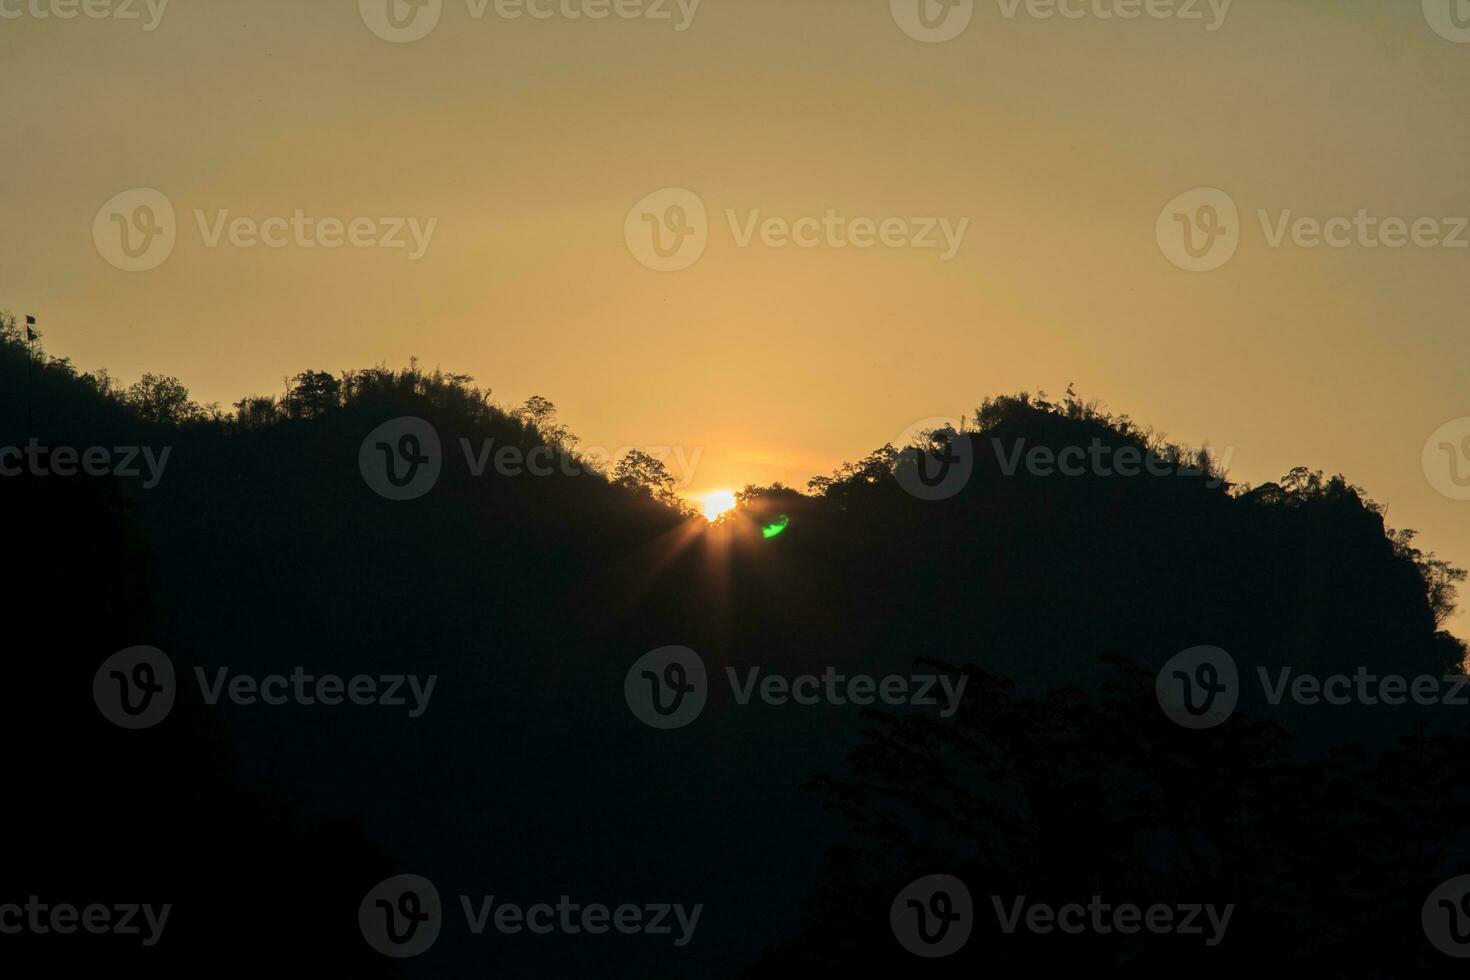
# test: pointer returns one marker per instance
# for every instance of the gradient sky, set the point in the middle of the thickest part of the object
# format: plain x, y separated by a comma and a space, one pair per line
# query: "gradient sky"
530, 140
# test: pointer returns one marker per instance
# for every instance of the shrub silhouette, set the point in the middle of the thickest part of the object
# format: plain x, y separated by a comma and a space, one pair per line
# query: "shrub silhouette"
262, 549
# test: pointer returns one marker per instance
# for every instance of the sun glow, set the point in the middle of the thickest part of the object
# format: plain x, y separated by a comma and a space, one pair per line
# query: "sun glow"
717, 503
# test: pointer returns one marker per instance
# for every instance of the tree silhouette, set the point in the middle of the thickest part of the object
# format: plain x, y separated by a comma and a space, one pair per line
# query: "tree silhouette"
312, 394
263, 548
161, 400
540, 413
642, 473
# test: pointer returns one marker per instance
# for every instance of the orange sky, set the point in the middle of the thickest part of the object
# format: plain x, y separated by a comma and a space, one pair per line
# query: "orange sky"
528, 142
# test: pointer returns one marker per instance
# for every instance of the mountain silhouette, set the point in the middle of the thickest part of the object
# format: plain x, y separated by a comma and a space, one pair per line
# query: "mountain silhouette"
268, 542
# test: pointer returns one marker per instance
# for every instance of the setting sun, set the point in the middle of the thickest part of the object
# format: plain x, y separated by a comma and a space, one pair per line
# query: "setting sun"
718, 503
986, 338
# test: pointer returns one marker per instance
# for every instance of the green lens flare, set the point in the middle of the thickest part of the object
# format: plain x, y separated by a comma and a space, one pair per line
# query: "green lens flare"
771, 530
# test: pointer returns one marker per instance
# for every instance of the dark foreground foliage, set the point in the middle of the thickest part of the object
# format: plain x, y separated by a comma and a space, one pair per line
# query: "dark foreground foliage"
261, 549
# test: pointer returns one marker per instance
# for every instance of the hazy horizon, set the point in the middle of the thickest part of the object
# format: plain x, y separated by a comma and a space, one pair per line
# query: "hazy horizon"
1056, 143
